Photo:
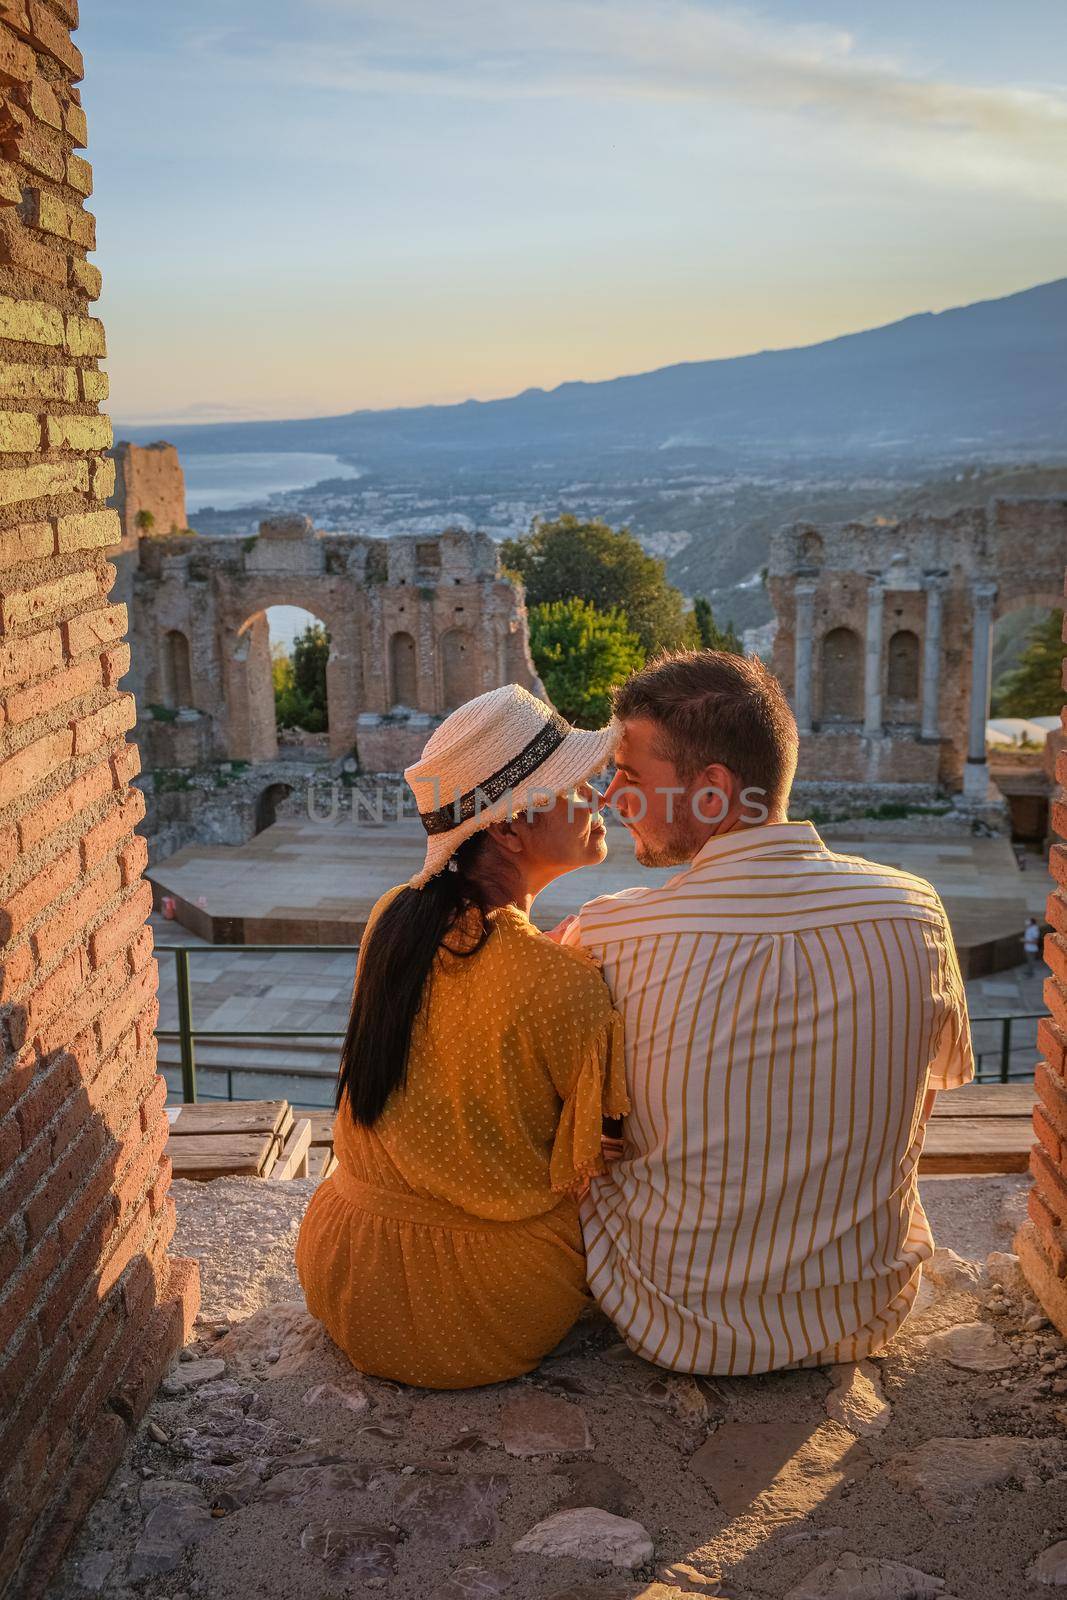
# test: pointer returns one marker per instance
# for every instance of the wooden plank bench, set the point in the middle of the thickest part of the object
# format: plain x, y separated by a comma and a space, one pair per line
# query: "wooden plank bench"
241, 1138
983, 1127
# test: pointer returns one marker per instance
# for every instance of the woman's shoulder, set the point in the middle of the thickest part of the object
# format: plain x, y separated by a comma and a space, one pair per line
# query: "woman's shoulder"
555, 969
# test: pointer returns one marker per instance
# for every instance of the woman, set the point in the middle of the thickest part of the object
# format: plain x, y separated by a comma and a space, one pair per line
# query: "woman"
480, 1058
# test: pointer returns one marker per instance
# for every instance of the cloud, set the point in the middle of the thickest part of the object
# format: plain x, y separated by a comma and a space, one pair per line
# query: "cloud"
676, 50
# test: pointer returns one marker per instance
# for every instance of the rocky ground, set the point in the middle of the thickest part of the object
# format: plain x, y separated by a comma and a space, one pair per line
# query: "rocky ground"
266, 1467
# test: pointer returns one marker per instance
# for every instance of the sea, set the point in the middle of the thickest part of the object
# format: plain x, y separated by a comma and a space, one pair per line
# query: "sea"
226, 481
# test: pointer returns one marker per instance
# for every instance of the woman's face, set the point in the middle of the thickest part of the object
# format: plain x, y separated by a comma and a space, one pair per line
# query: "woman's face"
567, 835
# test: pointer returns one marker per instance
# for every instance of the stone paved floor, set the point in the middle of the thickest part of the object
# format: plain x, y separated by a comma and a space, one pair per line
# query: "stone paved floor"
268, 1468
306, 870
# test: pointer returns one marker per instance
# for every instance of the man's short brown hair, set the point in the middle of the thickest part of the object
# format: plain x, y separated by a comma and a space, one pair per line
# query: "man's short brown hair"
715, 707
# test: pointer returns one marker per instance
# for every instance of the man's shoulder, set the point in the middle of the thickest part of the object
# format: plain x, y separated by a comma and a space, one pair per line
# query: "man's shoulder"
626, 907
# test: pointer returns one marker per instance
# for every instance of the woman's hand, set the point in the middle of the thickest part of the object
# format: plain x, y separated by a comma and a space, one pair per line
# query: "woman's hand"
556, 933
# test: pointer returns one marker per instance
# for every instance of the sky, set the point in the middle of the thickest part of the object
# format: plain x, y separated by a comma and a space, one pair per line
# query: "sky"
308, 207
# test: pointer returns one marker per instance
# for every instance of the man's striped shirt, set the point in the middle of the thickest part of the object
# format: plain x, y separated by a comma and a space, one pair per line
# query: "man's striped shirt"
785, 1009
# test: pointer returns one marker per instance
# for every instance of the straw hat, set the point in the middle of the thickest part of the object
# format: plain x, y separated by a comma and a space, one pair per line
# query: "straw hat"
496, 756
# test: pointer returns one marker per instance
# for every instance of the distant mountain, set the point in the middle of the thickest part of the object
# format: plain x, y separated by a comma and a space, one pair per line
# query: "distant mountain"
984, 378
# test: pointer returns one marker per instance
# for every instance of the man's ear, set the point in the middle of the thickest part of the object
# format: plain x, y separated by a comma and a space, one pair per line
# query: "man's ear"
725, 791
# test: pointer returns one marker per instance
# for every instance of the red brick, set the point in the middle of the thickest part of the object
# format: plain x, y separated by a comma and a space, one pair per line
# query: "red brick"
53, 1085
53, 814
30, 766
21, 1295
73, 683
1056, 955
77, 913
104, 726
21, 607
104, 988
126, 764
1056, 1001
16, 61
15, 971
1056, 909
80, 1250
91, 630
133, 858
1048, 1136
1052, 1043
139, 953
52, 36
30, 542
1051, 1183
146, 1024
120, 927
1049, 1232
9, 849
134, 996
15, 1079
116, 664
25, 660
19, 1367
64, 1182
127, 1247
137, 1177
38, 893
101, 840
1052, 1092
1057, 863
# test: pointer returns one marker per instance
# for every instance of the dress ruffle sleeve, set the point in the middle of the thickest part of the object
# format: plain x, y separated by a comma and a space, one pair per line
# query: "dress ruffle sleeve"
597, 1091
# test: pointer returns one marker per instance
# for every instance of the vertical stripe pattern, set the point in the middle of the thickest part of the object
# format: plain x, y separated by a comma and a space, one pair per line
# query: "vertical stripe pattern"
785, 1010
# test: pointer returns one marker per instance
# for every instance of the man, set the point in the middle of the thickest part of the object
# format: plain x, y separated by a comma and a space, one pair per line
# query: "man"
789, 1013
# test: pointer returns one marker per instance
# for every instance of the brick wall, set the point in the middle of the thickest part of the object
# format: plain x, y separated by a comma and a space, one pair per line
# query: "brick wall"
1042, 1241
91, 1306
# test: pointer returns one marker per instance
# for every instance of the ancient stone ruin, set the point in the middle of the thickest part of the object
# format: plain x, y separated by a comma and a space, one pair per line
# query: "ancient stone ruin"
885, 635
417, 625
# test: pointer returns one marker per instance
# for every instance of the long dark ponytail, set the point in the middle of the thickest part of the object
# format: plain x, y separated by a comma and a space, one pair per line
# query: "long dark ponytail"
394, 966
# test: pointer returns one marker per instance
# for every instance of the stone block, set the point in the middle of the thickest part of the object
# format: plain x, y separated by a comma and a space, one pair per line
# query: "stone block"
79, 433
43, 478
20, 432
48, 214
30, 322
84, 276
20, 381
85, 336
87, 530
94, 385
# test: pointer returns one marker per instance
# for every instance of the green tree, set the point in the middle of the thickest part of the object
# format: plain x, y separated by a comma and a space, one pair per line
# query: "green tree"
144, 522
712, 637
300, 681
580, 653
573, 560
1035, 687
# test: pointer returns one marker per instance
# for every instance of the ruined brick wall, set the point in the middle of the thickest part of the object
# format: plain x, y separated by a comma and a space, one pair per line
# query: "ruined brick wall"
1042, 1241
91, 1306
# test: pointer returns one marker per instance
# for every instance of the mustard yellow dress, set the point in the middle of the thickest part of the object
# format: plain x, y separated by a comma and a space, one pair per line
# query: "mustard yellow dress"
445, 1249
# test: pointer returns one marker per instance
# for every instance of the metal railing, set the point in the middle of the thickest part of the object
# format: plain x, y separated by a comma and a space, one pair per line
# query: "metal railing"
993, 1064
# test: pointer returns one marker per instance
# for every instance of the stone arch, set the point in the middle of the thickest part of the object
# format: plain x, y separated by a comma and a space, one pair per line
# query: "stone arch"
176, 670
459, 662
403, 671
842, 676
267, 804
902, 671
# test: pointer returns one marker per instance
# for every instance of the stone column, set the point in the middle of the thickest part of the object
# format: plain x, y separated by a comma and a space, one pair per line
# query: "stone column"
804, 595
872, 714
931, 726
976, 773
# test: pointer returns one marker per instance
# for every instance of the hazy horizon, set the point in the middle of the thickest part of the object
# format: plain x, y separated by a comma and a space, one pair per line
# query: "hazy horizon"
310, 209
